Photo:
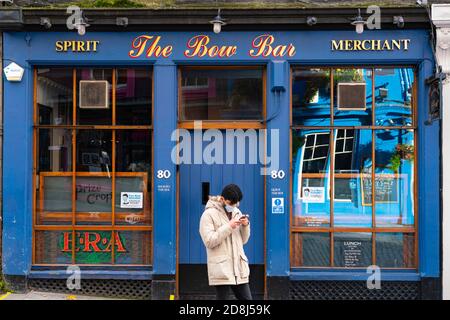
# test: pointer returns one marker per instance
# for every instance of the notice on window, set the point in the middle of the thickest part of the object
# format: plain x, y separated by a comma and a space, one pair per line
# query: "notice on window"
386, 189
133, 200
352, 253
313, 194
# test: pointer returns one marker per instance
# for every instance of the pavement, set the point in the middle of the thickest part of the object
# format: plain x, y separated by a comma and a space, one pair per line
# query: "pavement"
37, 295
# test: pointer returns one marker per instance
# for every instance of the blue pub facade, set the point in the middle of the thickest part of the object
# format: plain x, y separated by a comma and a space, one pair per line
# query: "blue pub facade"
93, 178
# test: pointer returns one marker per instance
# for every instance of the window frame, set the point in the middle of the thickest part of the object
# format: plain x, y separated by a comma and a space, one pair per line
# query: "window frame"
223, 124
332, 127
74, 127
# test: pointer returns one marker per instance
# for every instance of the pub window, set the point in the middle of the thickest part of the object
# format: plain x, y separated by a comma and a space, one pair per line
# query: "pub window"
353, 179
93, 168
221, 93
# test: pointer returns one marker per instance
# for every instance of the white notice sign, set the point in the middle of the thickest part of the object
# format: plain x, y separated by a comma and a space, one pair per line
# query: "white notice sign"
313, 194
132, 200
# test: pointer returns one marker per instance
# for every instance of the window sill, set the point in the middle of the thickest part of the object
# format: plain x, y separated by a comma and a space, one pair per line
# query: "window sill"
123, 273
352, 275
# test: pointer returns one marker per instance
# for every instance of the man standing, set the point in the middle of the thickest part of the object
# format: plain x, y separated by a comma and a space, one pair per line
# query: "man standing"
224, 231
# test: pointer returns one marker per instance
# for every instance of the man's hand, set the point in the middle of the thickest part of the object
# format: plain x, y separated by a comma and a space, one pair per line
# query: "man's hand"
244, 221
235, 222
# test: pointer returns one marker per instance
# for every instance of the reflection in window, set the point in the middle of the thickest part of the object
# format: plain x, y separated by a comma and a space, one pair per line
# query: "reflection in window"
311, 90
221, 94
54, 166
373, 181
94, 150
316, 152
311, 167
55, 150
343, 150
352, 97
393, 96
54, 96
133, 96
352, 174
394, 174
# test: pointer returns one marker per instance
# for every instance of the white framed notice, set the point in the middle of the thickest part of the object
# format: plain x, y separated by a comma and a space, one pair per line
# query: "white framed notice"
313, 194
133, 200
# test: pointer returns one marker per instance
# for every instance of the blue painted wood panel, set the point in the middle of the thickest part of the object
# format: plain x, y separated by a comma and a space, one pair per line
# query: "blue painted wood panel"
247, 176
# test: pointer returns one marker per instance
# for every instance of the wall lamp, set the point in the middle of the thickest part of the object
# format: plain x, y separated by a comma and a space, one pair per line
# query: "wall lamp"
310, 21
122, 21
218, 22
399, 21
44, 21
359, 22
81, 24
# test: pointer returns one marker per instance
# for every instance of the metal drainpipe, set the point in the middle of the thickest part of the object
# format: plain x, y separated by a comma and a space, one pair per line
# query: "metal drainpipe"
1, 148
441, 19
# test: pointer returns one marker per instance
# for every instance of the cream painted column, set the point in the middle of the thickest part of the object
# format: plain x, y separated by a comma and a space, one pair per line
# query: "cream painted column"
441, 19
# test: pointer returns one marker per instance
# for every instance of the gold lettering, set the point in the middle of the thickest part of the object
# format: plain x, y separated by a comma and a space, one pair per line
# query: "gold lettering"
67, 45
95, 43
348, 45
386, 45
396, 43
80, 46
76, 46
336, 45
370, 45
364, 45
406, 44
59, 46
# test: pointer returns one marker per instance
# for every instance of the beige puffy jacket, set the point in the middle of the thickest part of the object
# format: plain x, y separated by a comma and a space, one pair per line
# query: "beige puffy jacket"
227, 262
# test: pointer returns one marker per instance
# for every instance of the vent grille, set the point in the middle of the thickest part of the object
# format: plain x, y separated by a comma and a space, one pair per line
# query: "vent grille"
129, 289
351, 96
94, 94
352, 290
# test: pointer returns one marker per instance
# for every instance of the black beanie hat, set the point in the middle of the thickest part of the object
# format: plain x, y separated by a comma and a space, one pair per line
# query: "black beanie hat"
232, 192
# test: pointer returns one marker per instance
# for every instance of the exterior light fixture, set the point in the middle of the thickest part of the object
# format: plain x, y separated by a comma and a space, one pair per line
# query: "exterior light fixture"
359, 23
310, 21
46, 22
122, 21
399, 21
217, 23
81, 24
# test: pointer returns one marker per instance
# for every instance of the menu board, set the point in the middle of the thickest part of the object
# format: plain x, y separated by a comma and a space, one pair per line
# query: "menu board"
386, 189
352, 250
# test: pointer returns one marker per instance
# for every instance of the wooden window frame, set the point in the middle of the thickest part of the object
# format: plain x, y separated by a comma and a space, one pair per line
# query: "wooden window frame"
223, 124
74, 127
374, 230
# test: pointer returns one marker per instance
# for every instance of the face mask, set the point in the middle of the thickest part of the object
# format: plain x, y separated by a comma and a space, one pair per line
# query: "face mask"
229, 208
